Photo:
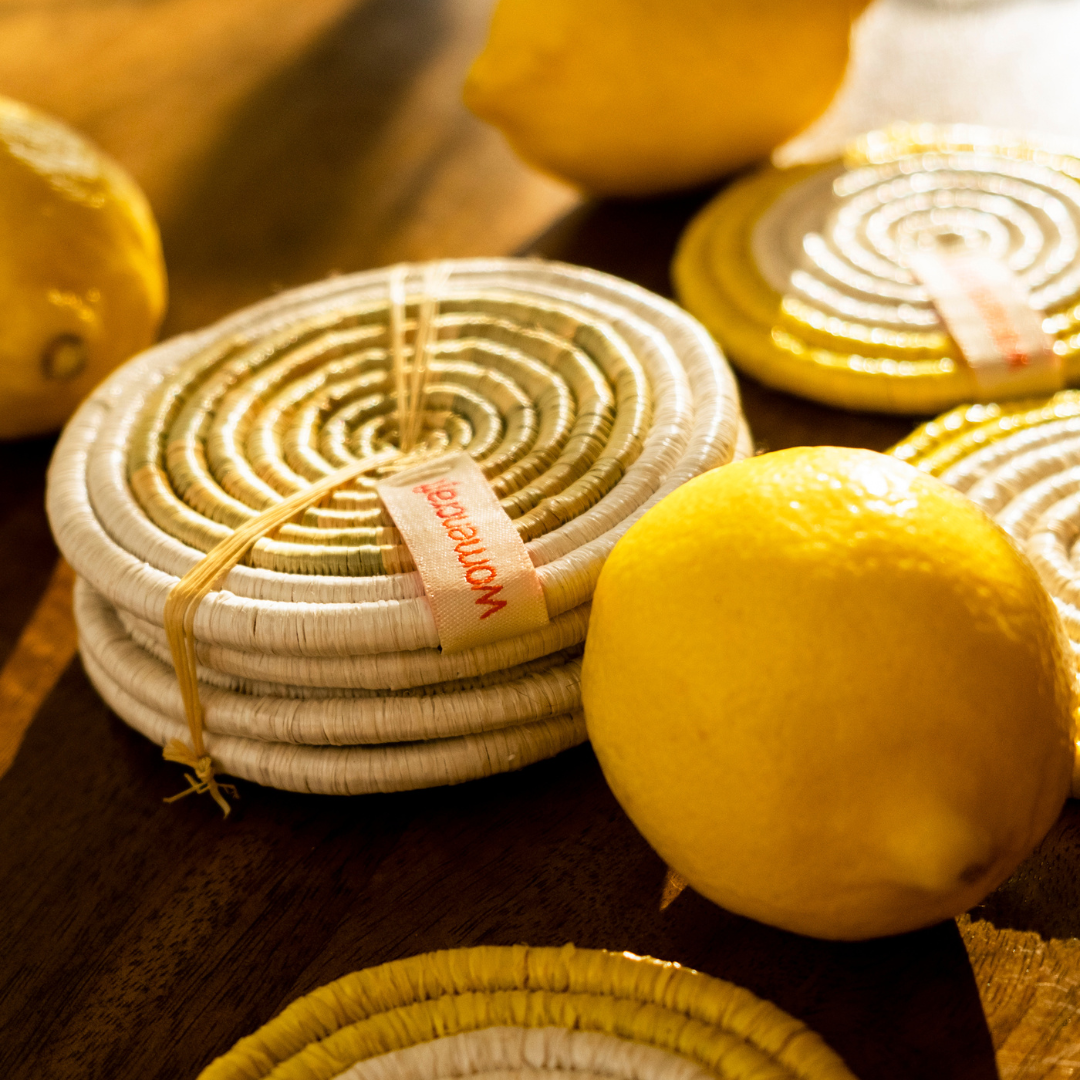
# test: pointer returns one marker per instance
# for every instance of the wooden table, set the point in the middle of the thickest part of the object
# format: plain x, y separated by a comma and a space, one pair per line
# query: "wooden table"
141, 940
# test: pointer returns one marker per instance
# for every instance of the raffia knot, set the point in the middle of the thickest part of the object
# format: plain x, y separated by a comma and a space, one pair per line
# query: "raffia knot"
204, 780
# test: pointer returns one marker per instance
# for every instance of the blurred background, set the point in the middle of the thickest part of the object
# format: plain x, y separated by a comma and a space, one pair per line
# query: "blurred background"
280, 142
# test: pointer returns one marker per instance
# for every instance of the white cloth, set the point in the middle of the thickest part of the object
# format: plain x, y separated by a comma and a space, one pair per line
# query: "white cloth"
1002, 63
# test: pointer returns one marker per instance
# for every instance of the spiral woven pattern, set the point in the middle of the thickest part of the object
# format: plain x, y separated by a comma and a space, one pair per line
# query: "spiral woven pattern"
584, 400
505, 1011
517, 1053
803, 274
1021, 463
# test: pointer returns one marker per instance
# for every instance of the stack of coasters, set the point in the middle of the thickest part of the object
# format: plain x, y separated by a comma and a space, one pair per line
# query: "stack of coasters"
583, 399
1020, 462
933, 265
519, 1013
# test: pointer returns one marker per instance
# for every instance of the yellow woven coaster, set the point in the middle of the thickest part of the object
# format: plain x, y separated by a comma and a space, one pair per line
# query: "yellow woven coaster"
505, 1011
804, 277
1020, 462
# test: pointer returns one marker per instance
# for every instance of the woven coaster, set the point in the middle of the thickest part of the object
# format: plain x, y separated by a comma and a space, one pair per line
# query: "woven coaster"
581, 400
519, 1012
809, 276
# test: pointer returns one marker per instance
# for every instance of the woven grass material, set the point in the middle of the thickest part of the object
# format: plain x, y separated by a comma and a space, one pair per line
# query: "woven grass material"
584, 400
342, 745
513, 1005
515, 1053
1020, 462
802, 273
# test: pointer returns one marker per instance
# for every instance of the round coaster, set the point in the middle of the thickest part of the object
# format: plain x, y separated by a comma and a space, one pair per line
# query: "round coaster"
804, 276
337, 744
584, 400
1020, 462
518, 1011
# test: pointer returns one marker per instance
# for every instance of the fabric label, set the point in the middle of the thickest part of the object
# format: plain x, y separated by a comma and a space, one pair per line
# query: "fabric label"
478, 577
985, 308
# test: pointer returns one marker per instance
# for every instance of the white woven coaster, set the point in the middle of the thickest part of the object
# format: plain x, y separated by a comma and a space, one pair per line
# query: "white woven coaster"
583, 399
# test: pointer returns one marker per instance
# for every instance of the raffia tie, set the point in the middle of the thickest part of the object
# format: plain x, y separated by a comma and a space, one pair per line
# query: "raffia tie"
410, 394
203, 781
210, 572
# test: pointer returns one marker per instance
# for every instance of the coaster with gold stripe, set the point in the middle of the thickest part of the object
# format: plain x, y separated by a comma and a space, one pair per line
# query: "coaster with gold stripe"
519, 1012
807, 276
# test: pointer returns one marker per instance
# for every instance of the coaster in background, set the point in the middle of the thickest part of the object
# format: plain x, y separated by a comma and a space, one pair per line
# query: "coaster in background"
807, 276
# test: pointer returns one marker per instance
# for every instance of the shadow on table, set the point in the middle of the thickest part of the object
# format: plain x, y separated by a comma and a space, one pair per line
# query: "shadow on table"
892, 1007
1044, 894
631, 238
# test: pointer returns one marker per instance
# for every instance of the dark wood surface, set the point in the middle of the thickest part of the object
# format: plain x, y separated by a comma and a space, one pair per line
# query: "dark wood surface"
141, 940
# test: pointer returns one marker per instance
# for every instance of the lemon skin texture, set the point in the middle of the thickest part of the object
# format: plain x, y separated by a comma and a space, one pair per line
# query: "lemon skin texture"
82, 280
633, 97
829, 692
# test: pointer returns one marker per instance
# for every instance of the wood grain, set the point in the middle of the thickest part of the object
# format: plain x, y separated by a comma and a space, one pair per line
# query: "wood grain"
45, 647
1030, 990
153, 84
141, 939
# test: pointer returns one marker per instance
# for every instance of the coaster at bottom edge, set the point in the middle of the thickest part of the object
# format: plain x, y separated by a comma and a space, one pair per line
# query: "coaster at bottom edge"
713, 1025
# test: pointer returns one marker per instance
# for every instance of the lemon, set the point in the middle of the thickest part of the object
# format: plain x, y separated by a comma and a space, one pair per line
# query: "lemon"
82, 281
830, 692
631, 97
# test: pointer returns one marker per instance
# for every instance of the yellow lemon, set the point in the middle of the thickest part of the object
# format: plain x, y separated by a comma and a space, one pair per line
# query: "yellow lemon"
631, 97
830, 692
82, 281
